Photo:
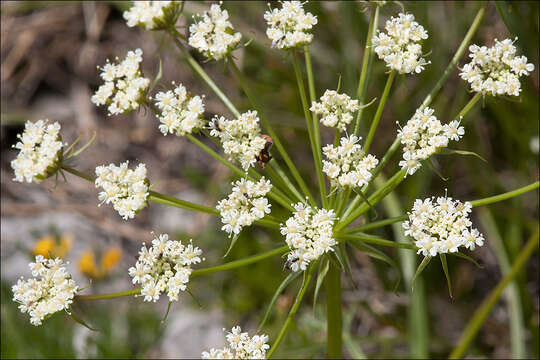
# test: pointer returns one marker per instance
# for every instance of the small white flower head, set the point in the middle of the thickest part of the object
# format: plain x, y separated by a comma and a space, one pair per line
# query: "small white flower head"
181, 112
213, 35
423, 136
399, 46
125, 188
346, 165
240, 346
152, 15
246, 204
336, 109
165, 267
241, 138
40, 151
308, 232
50, 290
496, 70
441, 226
290, 26
124, 87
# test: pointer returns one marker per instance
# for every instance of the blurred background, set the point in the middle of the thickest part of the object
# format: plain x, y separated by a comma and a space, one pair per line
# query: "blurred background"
49, 54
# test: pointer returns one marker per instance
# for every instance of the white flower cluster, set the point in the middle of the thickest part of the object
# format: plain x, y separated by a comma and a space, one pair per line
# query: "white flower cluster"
124, 84
126, 189
51, 289
399, 47
441, 226
181, 113
423, 136
347, 165
246, 204
336, 109
40, 148
309, 235
289, 26
213, 35
240, 138
165, 267
496, 70
148, 14
241, 346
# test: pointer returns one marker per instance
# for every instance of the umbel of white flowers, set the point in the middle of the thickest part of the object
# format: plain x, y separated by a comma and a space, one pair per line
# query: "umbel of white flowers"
49, 291
290, 26
181, 113
308, 232
240, 346
496, 70
151, 15
126, 189
346, 165
40, 151
424, 136
124, 85
213, 35
240, 138
165, 267
246, 204
400, 46
336, 109
441, 226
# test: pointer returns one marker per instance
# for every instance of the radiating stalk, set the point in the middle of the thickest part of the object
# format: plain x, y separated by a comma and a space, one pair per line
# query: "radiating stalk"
481, 314
316, 132
333, 312
274, 165
505, 196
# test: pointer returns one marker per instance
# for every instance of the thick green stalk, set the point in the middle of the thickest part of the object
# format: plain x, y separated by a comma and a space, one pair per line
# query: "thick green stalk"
481, 314
293, 310
469, 105
333, 311
113, 295
375, 240
376, 224
316, 132
266, 124
366, 68
307, 114
380, 108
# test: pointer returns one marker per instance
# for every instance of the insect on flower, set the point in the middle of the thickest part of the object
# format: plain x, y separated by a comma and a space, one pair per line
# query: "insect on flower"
264, 156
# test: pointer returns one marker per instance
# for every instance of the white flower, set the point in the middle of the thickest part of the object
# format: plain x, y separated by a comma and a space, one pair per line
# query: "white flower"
346, 165
40, 151
308, 232
423, 136
126, 189
51, 290
213, 35
336, 109
240, 346
240, 138
290, 26
441, 226
399, 47
124, 85
496, 70
181, 113
151, 14
164, 267
246, 204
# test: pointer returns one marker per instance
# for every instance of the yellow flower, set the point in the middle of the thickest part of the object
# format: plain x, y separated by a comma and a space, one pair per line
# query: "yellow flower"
110, 259
87, 265
51, 247
45, 246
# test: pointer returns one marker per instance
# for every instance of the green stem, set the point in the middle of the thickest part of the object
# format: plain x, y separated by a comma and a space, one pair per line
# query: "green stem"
75, 172
292, 312
333, 310
316, 131
266, 124
504, 196
376, 224
379, 111
366, 68
480, 315
274, 165
370, 239
108, 296
469, 105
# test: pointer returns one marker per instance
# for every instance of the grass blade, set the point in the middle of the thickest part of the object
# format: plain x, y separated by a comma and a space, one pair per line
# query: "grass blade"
320, 278
293, 275
447, 274
420, 268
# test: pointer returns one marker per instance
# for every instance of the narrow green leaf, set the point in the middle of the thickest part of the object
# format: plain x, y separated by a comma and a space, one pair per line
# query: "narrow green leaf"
508, 16
82, 148
342, 247
167, 313
363, 196
293, 275
320, 278
447, 274
432, 166
80, 321
233, 241
420, 268
339, 83
339, 257
158, 77
193, 297
461, 152
468, 258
